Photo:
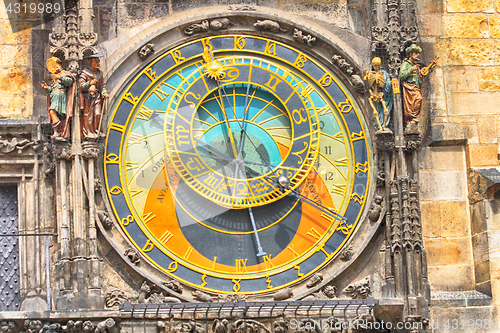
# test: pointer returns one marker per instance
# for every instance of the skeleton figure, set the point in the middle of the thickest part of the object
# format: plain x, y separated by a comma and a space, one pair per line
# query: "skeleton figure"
381, 94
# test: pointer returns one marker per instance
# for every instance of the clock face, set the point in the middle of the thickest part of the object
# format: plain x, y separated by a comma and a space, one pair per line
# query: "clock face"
237, 163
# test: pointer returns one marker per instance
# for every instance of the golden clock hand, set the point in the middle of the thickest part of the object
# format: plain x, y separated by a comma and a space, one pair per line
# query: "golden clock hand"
226, 120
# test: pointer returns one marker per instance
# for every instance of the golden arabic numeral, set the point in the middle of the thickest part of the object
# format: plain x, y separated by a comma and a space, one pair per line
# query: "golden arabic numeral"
214, 262
172, 267
203, 282
130, 98
206, 43
344, 228
135, 192
115, 190
268, 281
239, 43
236, 286
241, 265
300, 61
357, 136
127, 220
325, 80
270, 48
149, 246
112, 159
176, 54
149, 72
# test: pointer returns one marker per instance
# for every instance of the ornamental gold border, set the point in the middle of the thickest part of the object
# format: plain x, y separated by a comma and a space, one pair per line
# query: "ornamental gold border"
361, 135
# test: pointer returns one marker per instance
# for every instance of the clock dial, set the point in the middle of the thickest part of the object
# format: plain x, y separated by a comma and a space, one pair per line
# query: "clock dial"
197, 147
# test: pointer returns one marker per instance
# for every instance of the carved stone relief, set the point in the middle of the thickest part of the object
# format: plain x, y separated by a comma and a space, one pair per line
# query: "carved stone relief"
283, 294
204, 26
268, 25
359, 289
146, 51
132, 255
115, 297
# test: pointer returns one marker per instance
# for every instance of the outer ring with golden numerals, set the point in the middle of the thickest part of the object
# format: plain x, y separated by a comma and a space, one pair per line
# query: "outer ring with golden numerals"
167, 222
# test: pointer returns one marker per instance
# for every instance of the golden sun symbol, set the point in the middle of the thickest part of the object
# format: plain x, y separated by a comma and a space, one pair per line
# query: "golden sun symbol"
213, 68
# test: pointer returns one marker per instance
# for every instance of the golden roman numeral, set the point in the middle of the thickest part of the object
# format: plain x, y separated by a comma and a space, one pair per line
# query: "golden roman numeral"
135, 192
129, 165
323, 110
134, 138
144, 113
314, 234
267, 261
165, 237
343, 162
160, 93
188, 252
241, 265
148, 217
290, 247
339, 189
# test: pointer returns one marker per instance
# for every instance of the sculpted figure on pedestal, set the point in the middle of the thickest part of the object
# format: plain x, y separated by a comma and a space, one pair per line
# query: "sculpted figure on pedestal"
381, 95
93, 92
60, 96
412, 73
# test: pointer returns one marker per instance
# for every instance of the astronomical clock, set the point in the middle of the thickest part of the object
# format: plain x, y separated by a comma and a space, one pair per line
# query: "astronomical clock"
236, 163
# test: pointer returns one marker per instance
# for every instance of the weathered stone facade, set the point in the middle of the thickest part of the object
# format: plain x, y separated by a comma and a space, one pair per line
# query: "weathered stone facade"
455, 167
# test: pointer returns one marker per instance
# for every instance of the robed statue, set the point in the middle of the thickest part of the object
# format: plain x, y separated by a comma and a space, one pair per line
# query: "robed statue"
412, 72
60, 98
92, 93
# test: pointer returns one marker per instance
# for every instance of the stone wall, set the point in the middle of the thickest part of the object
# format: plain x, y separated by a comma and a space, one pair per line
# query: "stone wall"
460, 233
15, 71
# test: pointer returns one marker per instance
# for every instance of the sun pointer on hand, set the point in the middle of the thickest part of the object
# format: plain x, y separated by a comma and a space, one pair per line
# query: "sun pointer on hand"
213, 68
